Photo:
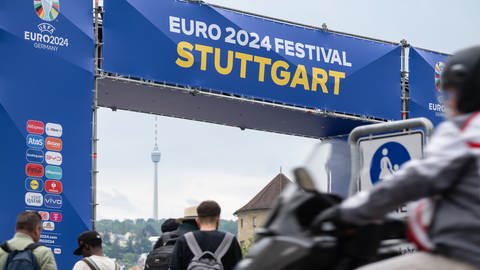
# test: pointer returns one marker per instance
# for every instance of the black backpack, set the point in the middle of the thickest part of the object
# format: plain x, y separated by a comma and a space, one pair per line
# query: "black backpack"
21, 259
159, 258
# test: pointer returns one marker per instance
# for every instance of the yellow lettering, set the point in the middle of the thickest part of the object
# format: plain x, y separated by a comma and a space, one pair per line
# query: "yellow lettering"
262, 61
223, 70
337, 75
204, 50
284, 74
322, 81
300, 77
244, 58
184, 50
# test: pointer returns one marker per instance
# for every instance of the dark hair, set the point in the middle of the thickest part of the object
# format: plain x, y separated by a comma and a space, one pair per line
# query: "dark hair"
169, 225
28, 221
208, 209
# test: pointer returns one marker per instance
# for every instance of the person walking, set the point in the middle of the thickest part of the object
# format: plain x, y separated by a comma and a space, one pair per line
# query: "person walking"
90, 247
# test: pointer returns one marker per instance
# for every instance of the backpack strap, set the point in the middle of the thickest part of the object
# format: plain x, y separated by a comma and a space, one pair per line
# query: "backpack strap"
33, 246
224, 246
90, 263
5, 247
193, 244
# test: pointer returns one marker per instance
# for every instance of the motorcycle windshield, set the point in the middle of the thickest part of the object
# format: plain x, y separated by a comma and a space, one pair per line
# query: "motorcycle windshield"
329, 166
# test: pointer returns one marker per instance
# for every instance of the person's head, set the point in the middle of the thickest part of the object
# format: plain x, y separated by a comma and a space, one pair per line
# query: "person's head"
30, 223
169, 225
89, 243
460, 82
208, 214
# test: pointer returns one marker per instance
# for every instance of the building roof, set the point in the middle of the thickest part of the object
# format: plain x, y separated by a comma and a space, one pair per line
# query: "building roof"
267, 196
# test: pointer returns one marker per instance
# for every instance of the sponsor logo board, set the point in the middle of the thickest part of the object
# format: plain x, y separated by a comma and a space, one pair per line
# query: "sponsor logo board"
35, 127
34, 170
53, 172
53, 158
48, 226
33, 199
53, 201
53, 144
35, 141
53, 186
54, 130
56, 217
33, 184
34, 155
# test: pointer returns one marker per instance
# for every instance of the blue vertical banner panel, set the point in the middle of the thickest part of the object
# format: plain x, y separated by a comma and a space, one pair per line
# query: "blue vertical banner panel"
46, 82
425, 94
200, 46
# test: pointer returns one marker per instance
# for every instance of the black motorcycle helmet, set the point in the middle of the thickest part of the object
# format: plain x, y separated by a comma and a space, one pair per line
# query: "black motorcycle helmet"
462, 74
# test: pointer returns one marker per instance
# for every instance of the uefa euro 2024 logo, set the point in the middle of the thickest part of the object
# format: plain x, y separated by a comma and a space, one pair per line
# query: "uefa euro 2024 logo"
47, 10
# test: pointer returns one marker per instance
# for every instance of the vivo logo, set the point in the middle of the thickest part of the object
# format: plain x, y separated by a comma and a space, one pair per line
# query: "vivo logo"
54, 130
33, 199
53, 201
53, 158
53, 172
35, 156
35, 141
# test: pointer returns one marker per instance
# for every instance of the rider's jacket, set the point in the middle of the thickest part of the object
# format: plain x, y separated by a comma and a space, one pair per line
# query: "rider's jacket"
449, 176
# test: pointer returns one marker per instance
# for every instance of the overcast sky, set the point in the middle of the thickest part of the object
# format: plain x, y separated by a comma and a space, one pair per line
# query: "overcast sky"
206, 161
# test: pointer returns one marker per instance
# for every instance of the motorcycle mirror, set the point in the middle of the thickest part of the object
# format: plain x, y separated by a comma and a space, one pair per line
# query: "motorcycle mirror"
303, 179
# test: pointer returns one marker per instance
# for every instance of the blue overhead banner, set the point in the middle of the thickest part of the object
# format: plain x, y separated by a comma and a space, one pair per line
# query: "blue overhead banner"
424, 82
200, 46
46, 82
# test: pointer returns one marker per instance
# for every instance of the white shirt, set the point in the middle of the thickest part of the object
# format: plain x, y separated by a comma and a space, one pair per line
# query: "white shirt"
103, 263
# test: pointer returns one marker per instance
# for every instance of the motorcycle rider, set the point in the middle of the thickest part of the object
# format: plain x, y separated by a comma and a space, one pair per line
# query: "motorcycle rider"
446, 225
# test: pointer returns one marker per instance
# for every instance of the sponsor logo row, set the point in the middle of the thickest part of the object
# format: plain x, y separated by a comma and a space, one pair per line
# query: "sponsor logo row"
37, 185
38, 127
38, 200
37, 170
38, 142
37, 156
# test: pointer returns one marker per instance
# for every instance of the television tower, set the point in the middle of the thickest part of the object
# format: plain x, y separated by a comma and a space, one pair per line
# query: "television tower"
156, 159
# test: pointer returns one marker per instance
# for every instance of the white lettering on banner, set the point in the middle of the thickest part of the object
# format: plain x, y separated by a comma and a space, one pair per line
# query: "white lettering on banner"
241, 37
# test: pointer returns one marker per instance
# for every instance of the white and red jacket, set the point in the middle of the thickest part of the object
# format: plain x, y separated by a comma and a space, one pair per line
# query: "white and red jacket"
448, 223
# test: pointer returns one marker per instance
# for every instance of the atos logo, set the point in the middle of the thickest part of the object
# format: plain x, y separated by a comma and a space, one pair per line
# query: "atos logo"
45, 215
35, 156
48, 226
53, 201
53, 144
54, 130
35, 141
53, 172
33, 184
33, 199
46, 27
53, 186
56, 217
53, 158
34, 170
35, 127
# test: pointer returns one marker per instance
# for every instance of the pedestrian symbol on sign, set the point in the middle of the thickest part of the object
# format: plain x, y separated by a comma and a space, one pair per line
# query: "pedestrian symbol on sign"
387, 160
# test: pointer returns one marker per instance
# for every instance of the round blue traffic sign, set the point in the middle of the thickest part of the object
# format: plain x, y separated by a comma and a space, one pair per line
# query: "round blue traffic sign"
387, 160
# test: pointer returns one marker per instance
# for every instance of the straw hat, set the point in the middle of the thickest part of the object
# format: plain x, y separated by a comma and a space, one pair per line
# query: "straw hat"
189, 213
